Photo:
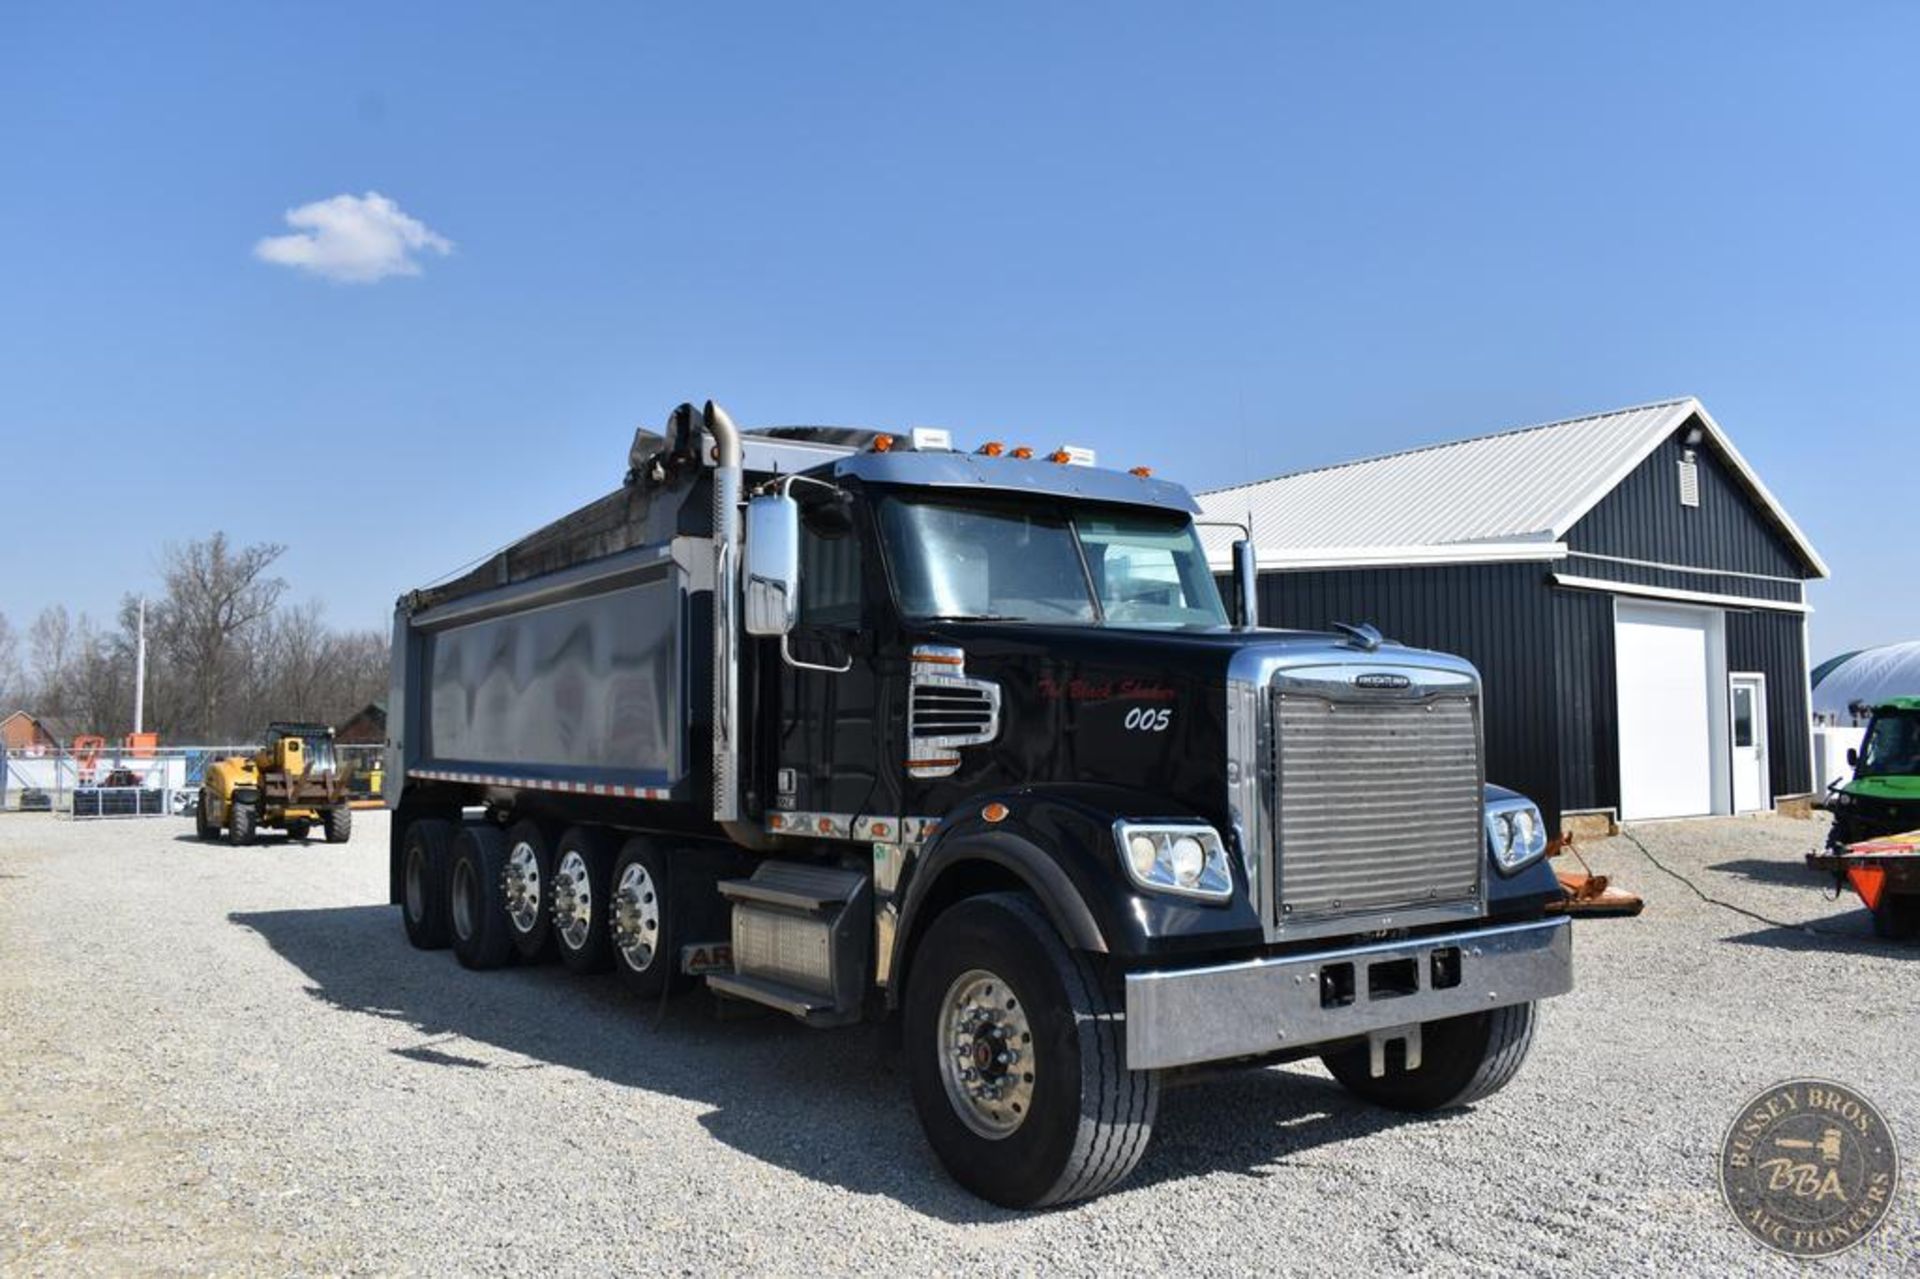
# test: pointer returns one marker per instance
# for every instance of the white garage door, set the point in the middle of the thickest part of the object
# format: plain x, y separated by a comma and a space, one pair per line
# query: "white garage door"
1666, 659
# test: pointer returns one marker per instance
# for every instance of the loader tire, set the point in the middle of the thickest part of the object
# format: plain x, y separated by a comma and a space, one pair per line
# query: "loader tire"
338, 824
1462, 1060
240, 823
477, 898
423, 877
203, 824
1062, 1117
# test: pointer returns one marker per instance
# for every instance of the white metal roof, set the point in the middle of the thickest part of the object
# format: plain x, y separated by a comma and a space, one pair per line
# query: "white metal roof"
1867, 678
1508, 496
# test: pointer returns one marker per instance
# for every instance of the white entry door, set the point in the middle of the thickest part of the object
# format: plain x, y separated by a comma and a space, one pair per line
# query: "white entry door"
1665, 659
1747, 709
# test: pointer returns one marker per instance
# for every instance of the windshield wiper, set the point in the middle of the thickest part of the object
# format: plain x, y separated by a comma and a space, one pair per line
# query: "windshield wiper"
971, 617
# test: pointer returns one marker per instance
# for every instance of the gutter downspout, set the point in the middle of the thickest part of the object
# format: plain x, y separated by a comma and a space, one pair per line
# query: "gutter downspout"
727, 480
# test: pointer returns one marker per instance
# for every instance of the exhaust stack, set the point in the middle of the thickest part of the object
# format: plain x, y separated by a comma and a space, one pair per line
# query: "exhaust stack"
727, 482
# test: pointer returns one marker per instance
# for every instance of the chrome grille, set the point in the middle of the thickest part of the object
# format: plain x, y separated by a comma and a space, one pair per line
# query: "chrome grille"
1379, 805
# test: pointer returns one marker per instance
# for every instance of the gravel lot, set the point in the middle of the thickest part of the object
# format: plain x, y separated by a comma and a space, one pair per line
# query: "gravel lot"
219, 1059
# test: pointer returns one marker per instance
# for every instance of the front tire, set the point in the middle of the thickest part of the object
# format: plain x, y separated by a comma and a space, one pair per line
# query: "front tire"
1016, 1056
240, 823
203, 824
1463, 1060
582, 882
338, 823
477, 898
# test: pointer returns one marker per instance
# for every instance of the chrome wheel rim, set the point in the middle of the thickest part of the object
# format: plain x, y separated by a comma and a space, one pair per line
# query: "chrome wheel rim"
986, 1054
572, 901
523, 887
636, 917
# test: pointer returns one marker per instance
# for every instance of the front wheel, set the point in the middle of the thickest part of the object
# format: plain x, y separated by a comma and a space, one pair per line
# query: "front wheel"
338, 824
240, 823
1462, 1060
1016, 1055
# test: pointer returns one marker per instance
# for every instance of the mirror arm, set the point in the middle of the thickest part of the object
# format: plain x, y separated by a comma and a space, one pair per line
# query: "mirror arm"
786, 655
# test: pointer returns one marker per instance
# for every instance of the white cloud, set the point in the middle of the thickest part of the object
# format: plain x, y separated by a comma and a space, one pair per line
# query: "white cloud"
353, 239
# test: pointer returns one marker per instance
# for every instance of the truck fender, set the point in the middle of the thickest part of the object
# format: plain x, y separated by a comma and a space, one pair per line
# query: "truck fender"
1011, 854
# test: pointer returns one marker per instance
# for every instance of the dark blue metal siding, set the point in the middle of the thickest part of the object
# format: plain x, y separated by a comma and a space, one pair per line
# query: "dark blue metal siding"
1642, 519
1775, 645
1497, 616
1584, 671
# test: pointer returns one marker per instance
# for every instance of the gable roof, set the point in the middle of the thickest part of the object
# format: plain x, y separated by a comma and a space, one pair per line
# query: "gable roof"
1512, 495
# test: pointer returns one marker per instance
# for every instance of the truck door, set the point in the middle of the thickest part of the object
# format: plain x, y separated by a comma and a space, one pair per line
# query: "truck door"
827, 748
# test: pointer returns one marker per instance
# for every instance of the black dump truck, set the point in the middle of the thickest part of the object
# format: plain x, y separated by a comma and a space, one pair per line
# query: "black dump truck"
855, 726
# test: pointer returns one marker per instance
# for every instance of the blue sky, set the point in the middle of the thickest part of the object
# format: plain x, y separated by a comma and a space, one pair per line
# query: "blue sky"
1223, 241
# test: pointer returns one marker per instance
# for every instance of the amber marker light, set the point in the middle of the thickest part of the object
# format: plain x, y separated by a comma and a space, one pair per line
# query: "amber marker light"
883, 444
992, 448
1023, 452
995, 812
1144, 472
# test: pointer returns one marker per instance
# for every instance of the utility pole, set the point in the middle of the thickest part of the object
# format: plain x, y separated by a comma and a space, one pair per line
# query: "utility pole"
140, 670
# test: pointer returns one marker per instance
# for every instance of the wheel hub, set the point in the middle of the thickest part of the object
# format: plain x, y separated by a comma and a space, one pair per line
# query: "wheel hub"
572, 901
523, 887
986, 1054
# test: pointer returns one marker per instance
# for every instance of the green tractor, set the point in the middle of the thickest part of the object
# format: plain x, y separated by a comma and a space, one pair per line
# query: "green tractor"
1883, 798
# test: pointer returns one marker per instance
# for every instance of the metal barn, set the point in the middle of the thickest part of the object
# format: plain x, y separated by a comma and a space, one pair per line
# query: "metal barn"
1633, 596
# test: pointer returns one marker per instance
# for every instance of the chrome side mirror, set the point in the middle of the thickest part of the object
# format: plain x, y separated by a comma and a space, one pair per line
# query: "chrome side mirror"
773, 565
1246, 583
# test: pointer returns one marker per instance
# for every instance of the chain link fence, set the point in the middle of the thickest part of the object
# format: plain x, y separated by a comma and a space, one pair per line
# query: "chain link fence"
148, 782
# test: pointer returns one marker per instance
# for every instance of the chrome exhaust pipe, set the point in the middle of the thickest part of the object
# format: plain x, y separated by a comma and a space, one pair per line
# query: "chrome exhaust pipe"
727, 482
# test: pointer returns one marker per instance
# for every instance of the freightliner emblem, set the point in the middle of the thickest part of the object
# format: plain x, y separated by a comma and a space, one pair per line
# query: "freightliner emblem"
1381, 679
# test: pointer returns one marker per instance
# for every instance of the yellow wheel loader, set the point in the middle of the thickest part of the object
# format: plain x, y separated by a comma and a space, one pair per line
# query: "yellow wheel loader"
290, 784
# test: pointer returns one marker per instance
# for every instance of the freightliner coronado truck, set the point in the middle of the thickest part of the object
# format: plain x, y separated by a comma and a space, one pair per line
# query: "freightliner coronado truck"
856, 726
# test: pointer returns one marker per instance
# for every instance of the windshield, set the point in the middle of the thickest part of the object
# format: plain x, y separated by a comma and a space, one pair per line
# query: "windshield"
1031, 562
1892, 748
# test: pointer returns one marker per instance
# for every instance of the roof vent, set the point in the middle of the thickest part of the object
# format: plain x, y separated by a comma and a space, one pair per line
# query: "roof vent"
1689, 479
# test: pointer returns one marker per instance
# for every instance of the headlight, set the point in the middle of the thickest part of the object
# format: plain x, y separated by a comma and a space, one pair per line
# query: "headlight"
1516, 835
1182, 858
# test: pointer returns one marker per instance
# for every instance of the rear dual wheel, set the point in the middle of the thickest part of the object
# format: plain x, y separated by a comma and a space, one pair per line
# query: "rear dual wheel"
582, 899
423, 882
477, 898
529, 889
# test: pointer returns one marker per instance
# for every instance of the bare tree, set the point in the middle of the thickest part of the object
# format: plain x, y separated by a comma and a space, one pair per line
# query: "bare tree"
50, 648
217, 598
12, 694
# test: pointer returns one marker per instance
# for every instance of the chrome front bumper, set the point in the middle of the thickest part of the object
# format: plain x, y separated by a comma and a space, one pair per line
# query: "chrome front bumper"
1187, 1015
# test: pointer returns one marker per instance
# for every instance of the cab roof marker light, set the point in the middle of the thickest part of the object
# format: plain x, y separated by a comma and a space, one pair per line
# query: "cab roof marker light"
931, 439
992, 448
1022, 452
1144, 472
1074, 455
883, 444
